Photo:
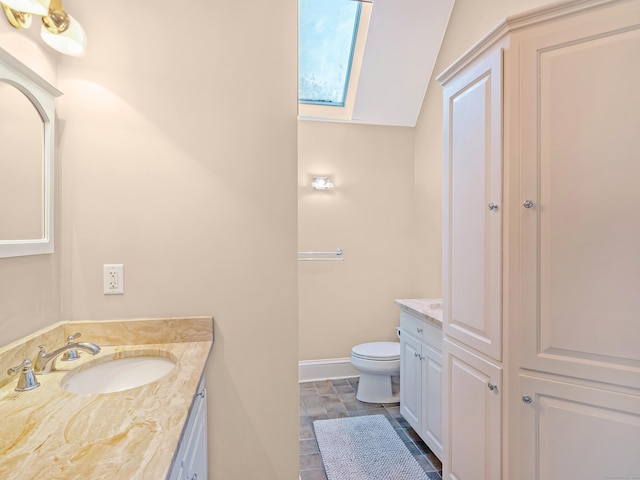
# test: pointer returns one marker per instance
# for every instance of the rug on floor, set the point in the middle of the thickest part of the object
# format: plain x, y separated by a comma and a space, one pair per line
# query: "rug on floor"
365, 448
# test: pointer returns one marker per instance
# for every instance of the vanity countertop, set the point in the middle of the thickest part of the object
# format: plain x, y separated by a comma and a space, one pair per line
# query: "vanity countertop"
428, 308
49, 433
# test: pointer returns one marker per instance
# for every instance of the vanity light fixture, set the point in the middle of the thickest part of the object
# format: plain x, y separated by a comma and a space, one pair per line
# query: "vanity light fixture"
59, 30
322, 183
35, 7
16, 18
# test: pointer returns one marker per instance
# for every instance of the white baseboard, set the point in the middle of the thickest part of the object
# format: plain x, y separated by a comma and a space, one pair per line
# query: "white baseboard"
331, 368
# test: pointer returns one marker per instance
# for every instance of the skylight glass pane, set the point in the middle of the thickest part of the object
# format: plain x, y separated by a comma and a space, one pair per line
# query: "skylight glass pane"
326, 35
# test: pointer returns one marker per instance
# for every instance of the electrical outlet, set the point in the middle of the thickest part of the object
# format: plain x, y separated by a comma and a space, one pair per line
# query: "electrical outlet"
113, 279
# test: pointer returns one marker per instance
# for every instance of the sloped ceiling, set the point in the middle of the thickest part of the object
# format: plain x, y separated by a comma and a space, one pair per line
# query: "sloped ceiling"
402, 47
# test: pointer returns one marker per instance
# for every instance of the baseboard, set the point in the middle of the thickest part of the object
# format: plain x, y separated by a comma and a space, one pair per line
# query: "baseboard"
331, 368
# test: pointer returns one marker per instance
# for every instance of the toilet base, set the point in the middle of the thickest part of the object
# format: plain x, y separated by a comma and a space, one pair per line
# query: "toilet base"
376, 389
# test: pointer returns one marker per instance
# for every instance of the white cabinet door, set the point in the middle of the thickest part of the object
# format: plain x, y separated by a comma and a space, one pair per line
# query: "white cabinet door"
421, 379
432, 399
411, 380
473, 205
571, 431
195, 460
177, 472
580, 267
191, 462
473, 405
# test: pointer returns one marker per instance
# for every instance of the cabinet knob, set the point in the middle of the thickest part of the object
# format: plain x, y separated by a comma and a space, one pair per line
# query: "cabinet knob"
491, 386
527, 204
526, 399
492, 206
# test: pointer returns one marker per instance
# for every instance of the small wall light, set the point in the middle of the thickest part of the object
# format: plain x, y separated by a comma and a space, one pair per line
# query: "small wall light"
322, 183
59, 30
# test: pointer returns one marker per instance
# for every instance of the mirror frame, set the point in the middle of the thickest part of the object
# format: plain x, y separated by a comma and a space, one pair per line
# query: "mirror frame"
42, 95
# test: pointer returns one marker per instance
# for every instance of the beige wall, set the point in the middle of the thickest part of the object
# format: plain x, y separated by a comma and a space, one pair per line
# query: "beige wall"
470, 21
178, 154
29, 286
392, 236
370, 214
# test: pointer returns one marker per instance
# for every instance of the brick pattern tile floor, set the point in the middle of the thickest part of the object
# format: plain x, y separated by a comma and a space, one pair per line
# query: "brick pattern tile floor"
336, 399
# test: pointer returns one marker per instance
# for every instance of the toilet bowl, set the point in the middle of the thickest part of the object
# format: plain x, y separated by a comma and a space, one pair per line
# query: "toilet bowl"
377, 363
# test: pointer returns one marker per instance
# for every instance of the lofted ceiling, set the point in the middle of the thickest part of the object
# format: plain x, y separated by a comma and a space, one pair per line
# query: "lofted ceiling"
401, 49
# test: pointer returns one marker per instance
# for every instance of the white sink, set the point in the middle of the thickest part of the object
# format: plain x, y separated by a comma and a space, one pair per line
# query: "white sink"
117, 375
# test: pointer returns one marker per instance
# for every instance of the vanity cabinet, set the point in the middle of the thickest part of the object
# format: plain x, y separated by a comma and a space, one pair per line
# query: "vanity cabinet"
191, 460
542, 349
421, 378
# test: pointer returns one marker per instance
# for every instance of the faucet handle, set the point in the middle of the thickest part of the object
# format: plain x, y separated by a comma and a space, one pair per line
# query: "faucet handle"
71, 354
71, 338
27, 380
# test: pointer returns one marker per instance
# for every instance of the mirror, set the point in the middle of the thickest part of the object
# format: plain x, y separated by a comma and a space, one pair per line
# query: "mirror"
27, 139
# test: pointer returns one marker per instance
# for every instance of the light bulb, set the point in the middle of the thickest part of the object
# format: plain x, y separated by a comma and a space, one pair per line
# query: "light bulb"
322, 183
36, 7
73, 41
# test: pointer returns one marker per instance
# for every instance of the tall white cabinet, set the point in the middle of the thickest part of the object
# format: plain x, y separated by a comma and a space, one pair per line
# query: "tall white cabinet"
473, 270
542, 247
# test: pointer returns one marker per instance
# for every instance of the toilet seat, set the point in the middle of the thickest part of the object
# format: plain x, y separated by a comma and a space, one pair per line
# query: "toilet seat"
377, 351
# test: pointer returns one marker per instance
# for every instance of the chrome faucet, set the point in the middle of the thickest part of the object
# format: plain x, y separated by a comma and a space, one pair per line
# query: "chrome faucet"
27, 380
46, 362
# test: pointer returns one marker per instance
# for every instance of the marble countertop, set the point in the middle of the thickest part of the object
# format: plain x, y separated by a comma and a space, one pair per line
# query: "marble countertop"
49, 433
427, 308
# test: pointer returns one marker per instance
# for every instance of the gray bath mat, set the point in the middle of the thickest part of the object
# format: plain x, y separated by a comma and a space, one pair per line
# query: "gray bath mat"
365, 448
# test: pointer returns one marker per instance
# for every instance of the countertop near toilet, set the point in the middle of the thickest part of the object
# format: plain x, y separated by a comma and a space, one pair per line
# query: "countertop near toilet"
49, 433
429, 309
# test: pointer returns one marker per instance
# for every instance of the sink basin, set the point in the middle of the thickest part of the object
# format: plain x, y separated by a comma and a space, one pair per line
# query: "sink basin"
117, 375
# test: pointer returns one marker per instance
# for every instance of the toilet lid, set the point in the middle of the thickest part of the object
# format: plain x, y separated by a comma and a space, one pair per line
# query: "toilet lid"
377, 350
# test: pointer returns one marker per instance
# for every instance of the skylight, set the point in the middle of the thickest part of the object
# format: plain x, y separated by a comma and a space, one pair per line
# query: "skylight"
367, 61
327, 31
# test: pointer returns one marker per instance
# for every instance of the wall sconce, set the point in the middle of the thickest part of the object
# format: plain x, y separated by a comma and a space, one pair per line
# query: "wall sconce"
322, 183
59, 30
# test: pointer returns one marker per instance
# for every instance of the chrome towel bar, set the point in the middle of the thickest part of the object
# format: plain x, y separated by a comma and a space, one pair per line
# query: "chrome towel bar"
337, 253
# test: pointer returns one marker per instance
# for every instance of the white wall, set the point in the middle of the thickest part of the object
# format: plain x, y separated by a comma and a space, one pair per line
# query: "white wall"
370, 214
178, 159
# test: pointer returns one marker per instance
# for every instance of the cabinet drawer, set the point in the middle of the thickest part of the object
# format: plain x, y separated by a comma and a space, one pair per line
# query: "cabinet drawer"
421, 329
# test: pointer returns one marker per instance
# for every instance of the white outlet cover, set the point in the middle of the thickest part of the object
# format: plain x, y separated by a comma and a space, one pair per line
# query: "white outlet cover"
113, 279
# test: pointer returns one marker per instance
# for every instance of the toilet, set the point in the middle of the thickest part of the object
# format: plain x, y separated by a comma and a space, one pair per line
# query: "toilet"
377, 363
